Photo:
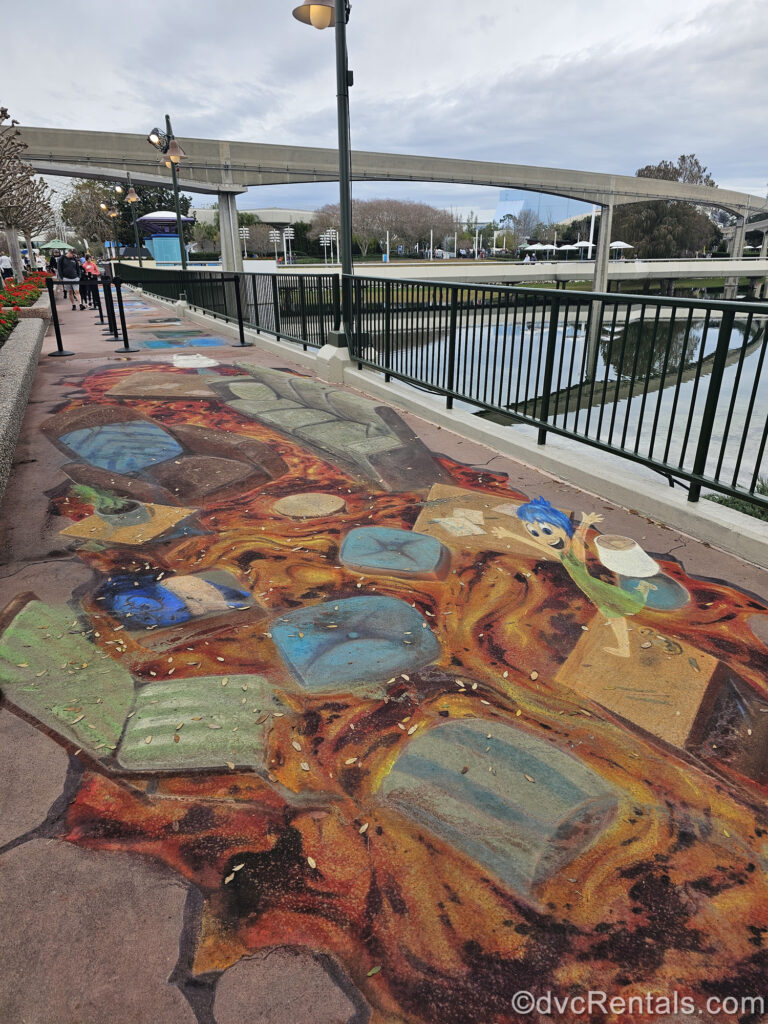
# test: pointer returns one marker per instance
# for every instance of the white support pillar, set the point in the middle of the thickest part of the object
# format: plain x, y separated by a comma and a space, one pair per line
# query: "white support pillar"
231, 257
12, 241
737, 251
599, 284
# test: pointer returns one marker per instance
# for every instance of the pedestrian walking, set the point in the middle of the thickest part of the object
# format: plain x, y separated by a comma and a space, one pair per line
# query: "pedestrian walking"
90, 278
69, 274
6, 267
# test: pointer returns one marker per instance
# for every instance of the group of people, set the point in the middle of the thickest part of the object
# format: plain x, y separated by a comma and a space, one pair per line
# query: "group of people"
76, 273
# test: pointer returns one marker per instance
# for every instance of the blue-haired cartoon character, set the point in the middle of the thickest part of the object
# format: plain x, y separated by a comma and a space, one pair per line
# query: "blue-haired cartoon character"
553, 530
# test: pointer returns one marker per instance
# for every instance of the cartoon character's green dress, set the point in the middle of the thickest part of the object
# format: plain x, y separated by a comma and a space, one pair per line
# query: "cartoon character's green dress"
611, 601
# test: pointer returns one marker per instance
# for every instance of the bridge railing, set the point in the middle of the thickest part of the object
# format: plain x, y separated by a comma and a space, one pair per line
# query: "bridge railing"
301, 308
677, 385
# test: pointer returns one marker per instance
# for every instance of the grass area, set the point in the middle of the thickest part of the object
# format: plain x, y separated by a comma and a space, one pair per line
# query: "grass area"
741, 504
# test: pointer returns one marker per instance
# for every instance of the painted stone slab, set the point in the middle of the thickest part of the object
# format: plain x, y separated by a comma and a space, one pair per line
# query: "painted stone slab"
380, 549
666, 686
160, 519
525, 820
309, 505
141, 600
469, 520
355, 640
127, 447
736, 733
352, 431
151, 384
52, 672
198, 723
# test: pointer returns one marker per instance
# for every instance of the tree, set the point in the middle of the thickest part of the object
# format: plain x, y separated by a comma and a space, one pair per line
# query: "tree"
667, 228
408, 223
23, 198
81, 209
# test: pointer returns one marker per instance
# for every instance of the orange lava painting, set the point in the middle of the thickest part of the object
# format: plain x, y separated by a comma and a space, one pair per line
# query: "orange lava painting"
368, 701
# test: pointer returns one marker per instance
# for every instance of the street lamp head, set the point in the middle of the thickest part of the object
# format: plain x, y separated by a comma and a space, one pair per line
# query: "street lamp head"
118, 188
113, 213
154, 137
103, 206
175, 152
319, 15
131, 196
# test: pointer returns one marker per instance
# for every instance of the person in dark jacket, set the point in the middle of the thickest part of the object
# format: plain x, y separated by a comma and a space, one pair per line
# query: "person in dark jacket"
68, 269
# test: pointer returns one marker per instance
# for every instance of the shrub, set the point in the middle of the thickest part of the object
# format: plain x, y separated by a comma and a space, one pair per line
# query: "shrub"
742, 504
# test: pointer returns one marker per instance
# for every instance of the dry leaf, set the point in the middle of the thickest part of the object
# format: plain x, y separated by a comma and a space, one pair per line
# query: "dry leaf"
373, 970
363, 829
304, 766
229, 878
296, 745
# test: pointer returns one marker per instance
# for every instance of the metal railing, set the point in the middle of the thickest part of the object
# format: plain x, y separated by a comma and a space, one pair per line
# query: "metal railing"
301, 308
677, 385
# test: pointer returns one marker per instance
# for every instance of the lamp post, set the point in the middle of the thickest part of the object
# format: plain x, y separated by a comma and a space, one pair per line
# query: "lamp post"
166, 143
335, 14
112, 212
131, 197
288, 235
274, 237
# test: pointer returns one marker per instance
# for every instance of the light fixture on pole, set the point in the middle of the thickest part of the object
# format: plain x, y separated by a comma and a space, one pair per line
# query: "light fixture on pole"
244, 233
274, 237
335, 14
166, 143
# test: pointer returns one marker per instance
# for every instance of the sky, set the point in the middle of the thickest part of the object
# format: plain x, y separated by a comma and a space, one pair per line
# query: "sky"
594, 85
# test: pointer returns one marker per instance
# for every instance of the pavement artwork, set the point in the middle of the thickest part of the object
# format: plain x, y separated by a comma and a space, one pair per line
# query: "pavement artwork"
379, 708
150, 329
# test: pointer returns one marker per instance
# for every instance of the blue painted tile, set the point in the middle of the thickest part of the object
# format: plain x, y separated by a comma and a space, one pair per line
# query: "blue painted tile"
354, 640
394, 552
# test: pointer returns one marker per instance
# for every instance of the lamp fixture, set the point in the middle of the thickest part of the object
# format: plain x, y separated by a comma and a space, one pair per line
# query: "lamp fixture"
131, 196
319, 15
174, 152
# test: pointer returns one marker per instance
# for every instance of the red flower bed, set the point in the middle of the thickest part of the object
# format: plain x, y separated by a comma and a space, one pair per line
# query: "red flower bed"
24, 294
8, 320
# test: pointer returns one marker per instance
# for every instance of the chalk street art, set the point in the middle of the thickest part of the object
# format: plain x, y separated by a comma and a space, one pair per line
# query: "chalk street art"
374, 703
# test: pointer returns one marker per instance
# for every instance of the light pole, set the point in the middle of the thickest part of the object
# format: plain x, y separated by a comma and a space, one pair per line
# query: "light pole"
112, 212
327, 14
131, 197
166, 143
244, 233
274, 237
288, 235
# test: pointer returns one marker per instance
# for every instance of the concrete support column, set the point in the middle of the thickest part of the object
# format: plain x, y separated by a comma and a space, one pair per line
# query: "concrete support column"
231, 257
764, 246
737, 251
599, 284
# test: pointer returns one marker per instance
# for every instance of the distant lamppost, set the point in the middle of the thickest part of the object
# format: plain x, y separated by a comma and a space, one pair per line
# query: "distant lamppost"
274, 237
335, 14
166, 143
244, 233
112, 212
333, 236
288, 235
131, 197
325, 241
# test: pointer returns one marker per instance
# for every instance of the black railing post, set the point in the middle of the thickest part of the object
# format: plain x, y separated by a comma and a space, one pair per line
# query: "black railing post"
56, 326
239, 307
549, 363
387, 328
303, 310
110, 307
710, 406
451, 369
96, 299
119, 292
276, 306
336, 298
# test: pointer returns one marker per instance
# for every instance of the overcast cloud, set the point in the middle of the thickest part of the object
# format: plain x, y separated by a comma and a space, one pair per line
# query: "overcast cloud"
596, 85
